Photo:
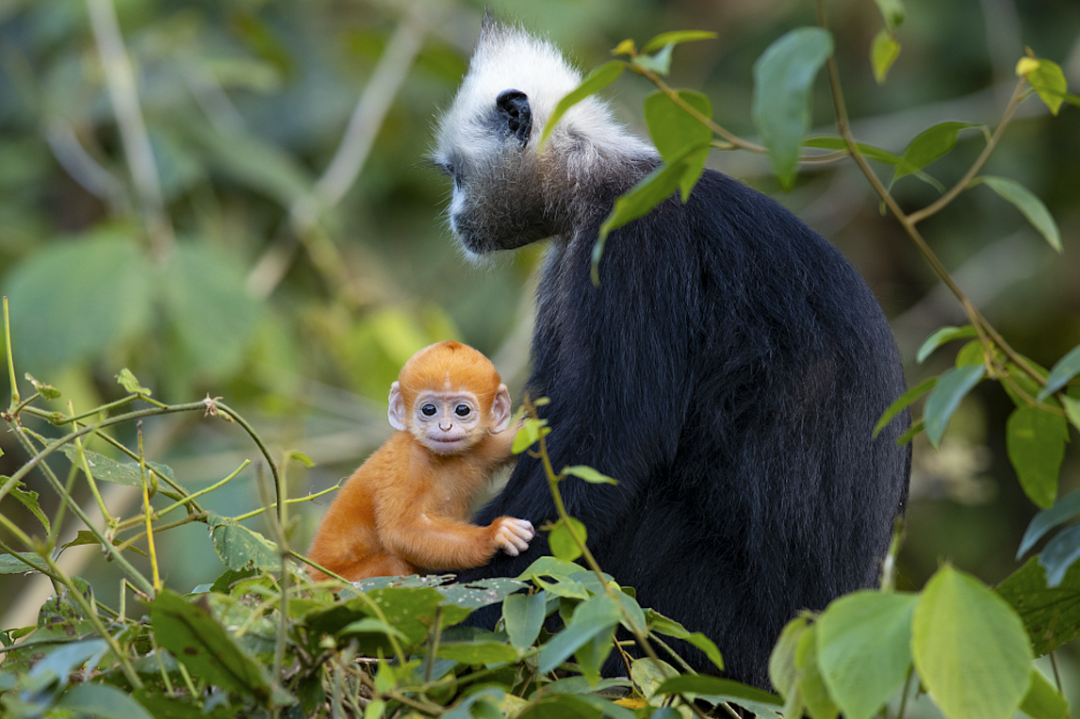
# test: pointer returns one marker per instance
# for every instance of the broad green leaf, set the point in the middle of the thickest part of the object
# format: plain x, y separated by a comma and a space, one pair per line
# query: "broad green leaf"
592, 617
669, 627
208, 308
102, 701
676, 37
550, 567
864, 649
811, 685
941, 336
1042, 700
1072, 410
673, 130
892, 11
131, 383
530, 433
254, 163
591, 655
589, 474
563, 706
369, 625
1066, 368
973, 353
239, 547
73, 301
523, 615
597, 80
105, 469
1050, 615
713, 686
952, 386
1048, 79
660, 63
10, 564
164, 706
928, 146
30, 501
970, 648
1063, 510
562, 543
635, 615
883, 53
782, 671
1059, 554
480, 593
650, 191
1035, 440
47, 390
201, 644
783, 79
648, 675
905, 401
477, 653
838, 143
1029, 205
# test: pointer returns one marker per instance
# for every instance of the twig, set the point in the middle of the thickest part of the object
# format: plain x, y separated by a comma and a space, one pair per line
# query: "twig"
120, 79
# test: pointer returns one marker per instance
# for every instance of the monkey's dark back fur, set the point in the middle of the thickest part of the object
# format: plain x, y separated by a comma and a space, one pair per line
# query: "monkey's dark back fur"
728, 372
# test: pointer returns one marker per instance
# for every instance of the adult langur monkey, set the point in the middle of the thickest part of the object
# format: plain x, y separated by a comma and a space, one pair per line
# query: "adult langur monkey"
728, 371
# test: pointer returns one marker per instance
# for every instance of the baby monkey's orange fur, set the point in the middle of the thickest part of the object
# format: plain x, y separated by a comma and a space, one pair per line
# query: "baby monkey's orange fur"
406, 509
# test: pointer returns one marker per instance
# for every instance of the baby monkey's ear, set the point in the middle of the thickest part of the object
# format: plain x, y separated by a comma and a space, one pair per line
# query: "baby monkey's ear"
397, 413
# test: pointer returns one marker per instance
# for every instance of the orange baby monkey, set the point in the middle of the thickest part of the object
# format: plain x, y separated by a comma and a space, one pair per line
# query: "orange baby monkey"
406, 508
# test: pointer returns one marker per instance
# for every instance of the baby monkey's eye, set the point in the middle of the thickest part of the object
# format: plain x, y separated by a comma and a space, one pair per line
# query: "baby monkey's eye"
429, 410
462, 410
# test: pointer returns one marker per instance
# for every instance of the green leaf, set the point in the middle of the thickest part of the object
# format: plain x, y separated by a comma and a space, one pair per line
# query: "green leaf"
1035, 440
550, 567
952, 386
370, 625
529, 434
782, 671
650, 191
1042, 700
811, 685
589, 474
704, 684
209, 309
239, 547
1066, 368
131, 384
253, 162
9, 564
562, 543
892, 11
838, 143
1063, 510
970, 648
30, 501
1060, 554
883, 53
1072, 410
929, 146
47, 390
660, 624
676, 37
73, 301
523, 615
591, 617
477, 652
201, 644
941, 336
660, 63
1049, 81
972, 353
1051, 616
597, 80
864, 649
673, 130
105, 469
783, 78
905, 401
480, 593
101, 700
1028, 204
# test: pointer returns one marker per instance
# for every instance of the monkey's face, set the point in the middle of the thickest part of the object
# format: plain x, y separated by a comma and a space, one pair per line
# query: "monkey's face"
447, 422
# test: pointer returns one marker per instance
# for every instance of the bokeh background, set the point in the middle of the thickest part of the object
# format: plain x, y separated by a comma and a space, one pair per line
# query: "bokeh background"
280, 242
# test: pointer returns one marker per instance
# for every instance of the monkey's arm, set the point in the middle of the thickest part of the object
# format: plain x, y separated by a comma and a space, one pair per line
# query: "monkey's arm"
439, 543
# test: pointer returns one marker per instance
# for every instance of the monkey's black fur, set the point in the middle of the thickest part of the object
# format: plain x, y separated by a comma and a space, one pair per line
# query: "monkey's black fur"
728, 371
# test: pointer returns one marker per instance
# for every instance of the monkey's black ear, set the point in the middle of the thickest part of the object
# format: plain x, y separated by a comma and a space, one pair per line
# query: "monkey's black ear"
515, 115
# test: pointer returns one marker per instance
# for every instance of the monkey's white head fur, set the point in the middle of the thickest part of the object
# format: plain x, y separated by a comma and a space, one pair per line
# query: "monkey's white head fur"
506, 194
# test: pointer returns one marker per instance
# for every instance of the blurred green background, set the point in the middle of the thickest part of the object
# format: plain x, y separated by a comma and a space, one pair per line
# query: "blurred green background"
281, 243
